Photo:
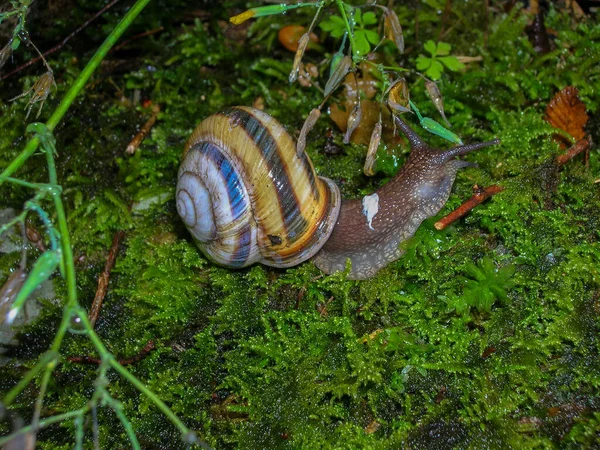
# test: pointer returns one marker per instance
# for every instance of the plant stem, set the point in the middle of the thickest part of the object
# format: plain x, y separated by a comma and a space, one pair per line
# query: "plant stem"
46, 358
65, 240
77, 86
342, 9
105, 355
24, 183
44, 423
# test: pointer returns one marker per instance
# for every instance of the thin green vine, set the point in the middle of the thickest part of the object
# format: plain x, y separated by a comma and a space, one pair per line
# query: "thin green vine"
74, 317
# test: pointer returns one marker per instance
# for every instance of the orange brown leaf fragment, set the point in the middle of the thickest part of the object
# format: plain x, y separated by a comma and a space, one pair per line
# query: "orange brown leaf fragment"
567, 112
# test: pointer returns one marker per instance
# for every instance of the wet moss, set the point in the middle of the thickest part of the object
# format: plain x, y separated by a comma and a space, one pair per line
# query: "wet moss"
484, 335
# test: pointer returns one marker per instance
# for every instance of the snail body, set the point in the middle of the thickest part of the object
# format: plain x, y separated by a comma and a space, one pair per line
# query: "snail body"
246, 197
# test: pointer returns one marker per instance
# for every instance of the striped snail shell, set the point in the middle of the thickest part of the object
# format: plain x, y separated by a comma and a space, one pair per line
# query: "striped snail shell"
246, 196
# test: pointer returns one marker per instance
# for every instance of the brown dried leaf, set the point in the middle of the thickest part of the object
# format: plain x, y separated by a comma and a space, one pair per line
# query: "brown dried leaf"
567, 112
369, 167
338, 75
302, 43
398, 96
353, 122
392, 28
309, 123
360, 88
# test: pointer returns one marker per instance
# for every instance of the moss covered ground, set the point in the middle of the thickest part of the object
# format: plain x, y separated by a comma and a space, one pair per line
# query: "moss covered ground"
484, 335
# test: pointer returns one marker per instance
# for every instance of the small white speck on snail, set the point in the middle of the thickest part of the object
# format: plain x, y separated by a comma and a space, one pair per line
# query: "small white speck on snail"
370, 207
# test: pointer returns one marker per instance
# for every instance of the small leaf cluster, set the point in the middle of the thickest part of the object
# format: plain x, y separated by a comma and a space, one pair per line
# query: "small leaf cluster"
364, 37
440, 58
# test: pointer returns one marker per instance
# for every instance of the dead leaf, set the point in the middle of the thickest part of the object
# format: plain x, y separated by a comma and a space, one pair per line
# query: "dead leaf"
361, 86
567, 112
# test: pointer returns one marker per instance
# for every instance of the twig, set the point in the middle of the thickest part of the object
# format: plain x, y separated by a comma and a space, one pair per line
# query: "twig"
104, 277
138, 138
123, 361
581, 145
62, 43
479, 196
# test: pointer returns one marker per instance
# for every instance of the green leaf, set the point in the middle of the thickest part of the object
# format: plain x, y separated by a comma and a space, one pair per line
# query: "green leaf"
430, 47
443, 49
357, 15
369, 18
452, 63
435, 70
423, 62
361, 44
372, 36
335, 25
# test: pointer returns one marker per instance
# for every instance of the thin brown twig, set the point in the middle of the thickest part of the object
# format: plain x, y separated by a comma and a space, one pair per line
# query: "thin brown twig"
60, 44
123, 361
580, 146
139, 137
479, 196
105, 277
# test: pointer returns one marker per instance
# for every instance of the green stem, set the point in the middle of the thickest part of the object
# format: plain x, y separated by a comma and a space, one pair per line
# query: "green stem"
118, 409
65, 240
44, 423
46, 358
105, 355
77, 86
24, 183
342, 9
393, 68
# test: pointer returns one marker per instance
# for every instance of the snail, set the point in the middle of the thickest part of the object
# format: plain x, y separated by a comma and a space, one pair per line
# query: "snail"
246, 197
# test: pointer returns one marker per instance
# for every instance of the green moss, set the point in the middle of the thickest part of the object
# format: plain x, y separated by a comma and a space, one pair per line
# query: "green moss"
484, 335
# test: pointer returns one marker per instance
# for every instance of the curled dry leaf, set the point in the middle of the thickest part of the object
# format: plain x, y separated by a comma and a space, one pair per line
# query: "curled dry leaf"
302, 43
567, 112
309, 123
436, 97
392, 28
363, 88
369, 167
353, 122
338, 74
398, 97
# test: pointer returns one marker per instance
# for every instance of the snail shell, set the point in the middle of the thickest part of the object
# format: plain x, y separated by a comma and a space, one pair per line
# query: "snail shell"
246, 196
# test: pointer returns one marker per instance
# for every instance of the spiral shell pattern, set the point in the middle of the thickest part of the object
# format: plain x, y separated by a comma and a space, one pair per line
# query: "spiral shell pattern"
247, 197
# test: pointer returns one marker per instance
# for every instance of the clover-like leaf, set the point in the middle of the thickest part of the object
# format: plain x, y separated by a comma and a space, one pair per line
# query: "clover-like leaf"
443, 49
334, 25
434, 66
430, 47
369, 18
361, 43
452, 63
